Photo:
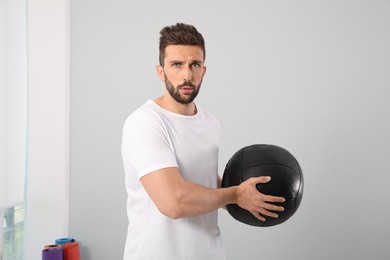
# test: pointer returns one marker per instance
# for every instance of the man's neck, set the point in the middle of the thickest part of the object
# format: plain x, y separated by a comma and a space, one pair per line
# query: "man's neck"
168, 103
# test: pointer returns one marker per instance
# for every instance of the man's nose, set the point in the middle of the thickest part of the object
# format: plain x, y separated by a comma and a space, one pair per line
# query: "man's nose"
187, 73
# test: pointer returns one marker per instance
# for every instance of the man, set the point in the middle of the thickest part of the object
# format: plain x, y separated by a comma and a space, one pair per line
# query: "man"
170, 155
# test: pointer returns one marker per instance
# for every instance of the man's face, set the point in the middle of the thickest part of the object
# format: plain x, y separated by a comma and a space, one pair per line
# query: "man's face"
183, 72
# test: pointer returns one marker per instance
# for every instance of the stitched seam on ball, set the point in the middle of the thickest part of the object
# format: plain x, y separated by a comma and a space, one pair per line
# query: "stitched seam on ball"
268, 164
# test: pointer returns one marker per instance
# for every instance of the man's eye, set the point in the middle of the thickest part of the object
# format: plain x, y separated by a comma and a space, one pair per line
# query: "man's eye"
176, 65
196, 65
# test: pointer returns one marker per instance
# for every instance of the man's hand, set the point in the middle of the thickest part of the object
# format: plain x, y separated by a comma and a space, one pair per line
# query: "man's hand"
259, 204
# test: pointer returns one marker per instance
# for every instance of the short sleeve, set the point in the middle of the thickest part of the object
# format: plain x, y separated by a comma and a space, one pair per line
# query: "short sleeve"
146, 146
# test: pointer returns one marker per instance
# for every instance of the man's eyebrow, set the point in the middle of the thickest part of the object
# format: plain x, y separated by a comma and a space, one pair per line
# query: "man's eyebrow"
181, 62
196, 61
175, 61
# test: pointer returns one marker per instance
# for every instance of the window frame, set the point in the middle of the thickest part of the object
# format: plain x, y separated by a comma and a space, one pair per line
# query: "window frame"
47, 179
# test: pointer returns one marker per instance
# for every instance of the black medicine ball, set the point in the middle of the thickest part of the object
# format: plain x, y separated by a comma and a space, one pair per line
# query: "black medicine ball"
266, 160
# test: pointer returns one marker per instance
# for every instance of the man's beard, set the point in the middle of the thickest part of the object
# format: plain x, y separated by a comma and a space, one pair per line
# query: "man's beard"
175, 94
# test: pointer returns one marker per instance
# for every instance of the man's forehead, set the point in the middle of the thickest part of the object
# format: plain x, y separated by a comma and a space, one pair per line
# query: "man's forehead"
184, 52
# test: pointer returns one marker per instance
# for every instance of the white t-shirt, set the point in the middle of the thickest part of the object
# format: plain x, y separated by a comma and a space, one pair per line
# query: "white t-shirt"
154, 138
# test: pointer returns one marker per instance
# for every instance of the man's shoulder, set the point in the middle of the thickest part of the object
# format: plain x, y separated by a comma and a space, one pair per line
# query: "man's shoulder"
143, 121
146, 110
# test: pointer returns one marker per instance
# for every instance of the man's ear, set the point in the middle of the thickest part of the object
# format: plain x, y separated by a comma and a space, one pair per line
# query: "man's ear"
204, 71
160, 72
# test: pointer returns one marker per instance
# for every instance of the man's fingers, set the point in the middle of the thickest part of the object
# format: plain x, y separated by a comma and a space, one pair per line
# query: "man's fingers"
268, 213
273, 207
261, 205
258, 216
263, 212
262, 179
268, 198
274, 199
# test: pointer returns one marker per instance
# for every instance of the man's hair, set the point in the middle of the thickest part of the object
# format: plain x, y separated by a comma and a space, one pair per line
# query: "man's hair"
180, 34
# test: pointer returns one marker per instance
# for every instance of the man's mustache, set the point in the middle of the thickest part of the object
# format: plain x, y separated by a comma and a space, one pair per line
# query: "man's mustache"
186, 84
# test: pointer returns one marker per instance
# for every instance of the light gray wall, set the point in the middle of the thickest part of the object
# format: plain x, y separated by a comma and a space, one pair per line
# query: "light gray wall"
310, 76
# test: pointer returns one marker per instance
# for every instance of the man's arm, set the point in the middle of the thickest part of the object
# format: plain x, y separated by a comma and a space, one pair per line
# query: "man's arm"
178, 198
